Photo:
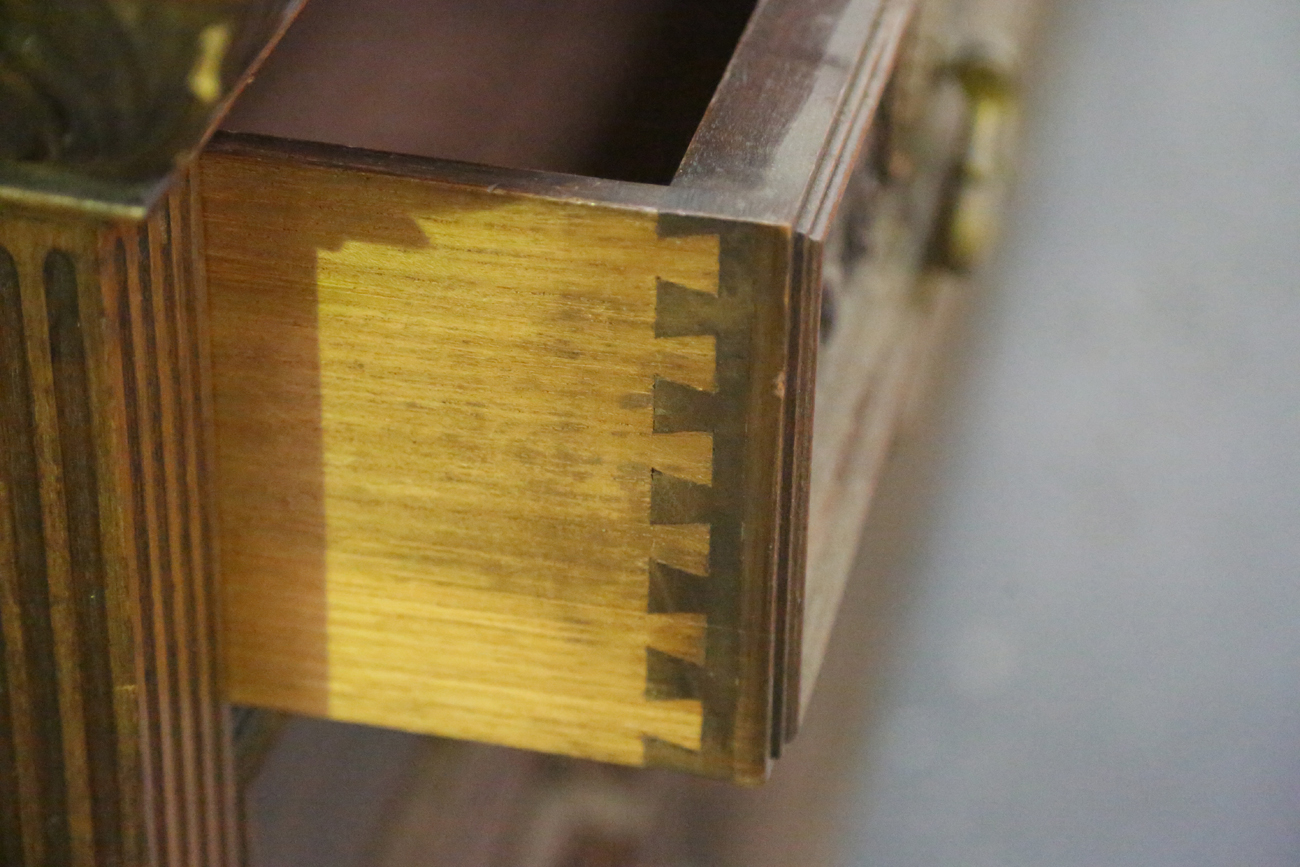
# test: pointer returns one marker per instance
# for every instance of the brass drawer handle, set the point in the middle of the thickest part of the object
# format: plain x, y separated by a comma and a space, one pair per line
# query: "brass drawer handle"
982, 174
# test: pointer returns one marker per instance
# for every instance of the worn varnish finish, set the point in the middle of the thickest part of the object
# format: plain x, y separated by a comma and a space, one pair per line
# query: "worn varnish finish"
113, 746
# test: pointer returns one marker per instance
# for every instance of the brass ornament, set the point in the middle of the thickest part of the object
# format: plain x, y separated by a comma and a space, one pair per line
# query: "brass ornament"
102, 100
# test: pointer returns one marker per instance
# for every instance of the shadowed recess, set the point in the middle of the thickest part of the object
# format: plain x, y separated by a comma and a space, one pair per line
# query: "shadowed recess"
85, 554
668, 677
679, 408
684, 312
170, 690
662, 754
26, 572
675, 591
11, 840
605, 88
141, 549
677, 501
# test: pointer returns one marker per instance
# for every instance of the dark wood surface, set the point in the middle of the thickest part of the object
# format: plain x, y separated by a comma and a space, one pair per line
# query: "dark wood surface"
531, 86
603, 88
113, 737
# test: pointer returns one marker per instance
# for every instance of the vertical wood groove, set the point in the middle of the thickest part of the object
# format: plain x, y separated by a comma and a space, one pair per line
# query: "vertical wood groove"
28, 573
154, 801
153, 481
11, 818
173, 507
63, 592
221, 817
20, 794
111, 731
186, 387
86, 561
11, 795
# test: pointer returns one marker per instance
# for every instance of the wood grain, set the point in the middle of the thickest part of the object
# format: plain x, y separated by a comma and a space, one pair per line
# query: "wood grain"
464, 432
112, 739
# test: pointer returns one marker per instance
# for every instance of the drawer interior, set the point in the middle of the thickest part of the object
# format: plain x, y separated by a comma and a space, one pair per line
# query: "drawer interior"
611, 89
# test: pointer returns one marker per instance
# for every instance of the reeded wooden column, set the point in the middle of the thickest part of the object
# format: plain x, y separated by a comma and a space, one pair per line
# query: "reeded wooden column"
113, 744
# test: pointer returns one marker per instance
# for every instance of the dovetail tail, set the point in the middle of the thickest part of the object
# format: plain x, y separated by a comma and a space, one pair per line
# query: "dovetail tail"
668, 677
662, 754
679, 408
684, 312
675, 500
684, 225
675, 591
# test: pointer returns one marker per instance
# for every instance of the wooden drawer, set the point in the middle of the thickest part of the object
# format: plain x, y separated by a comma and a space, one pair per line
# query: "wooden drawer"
517, 448
526, 457
527, 453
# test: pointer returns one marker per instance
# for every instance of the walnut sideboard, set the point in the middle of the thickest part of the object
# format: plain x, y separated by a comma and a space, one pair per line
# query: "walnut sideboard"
519, 448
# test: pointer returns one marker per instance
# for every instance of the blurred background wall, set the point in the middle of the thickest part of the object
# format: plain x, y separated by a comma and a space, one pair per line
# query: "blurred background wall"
1094, 650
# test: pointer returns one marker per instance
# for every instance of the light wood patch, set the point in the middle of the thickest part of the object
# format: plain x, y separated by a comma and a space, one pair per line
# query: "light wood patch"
435, 427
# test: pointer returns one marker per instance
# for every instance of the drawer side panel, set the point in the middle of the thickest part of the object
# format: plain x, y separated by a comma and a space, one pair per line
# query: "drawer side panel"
456, 453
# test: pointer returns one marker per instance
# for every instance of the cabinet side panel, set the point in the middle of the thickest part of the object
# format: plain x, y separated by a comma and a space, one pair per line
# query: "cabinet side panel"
111, 732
